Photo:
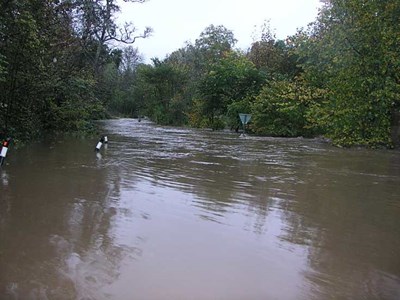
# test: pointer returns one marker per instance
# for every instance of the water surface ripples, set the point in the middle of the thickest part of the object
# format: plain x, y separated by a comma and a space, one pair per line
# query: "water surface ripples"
179, 213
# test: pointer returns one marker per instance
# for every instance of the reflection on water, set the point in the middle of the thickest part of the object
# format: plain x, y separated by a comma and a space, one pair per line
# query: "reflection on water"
169, 213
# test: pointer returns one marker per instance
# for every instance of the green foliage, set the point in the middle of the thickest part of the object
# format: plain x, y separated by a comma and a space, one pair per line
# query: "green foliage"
357, 59
340, 78
229, 80
3, 68
273, 57
118, 86
77, 108
20, 51
214, 42
161, 90
56, 71
283, 107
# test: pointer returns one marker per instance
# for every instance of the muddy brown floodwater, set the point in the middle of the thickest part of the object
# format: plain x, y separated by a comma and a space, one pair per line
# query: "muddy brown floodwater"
169, 213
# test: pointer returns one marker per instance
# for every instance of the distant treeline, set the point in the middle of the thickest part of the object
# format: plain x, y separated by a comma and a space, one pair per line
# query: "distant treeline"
339, 78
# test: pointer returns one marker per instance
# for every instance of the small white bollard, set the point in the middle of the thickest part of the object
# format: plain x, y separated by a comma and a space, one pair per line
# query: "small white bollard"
4, 150
99, 144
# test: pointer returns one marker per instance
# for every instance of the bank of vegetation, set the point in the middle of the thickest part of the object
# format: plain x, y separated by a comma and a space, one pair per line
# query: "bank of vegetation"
61, 67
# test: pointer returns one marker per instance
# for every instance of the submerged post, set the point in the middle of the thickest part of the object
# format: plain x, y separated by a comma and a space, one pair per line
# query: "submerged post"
4, 150
244, 118
99, 144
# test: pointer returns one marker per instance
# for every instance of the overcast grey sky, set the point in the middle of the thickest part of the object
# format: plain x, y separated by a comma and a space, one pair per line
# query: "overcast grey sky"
177, 21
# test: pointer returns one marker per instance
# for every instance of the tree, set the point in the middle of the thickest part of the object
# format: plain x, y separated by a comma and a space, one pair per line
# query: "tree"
286, 108
231, 79
130, 59
353, 51
160, 89
119, 80
215, 40
20, 51
274, 57
213, 43
96, 24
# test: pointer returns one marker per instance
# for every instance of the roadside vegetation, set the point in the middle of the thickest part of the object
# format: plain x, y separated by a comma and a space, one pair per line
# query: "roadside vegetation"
339, 78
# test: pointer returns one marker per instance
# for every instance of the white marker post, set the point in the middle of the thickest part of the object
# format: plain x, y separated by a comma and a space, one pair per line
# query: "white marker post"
244, 118
4, 150
99, 144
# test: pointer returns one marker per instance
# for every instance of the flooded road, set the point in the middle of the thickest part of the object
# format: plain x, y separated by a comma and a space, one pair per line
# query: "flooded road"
169, 213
